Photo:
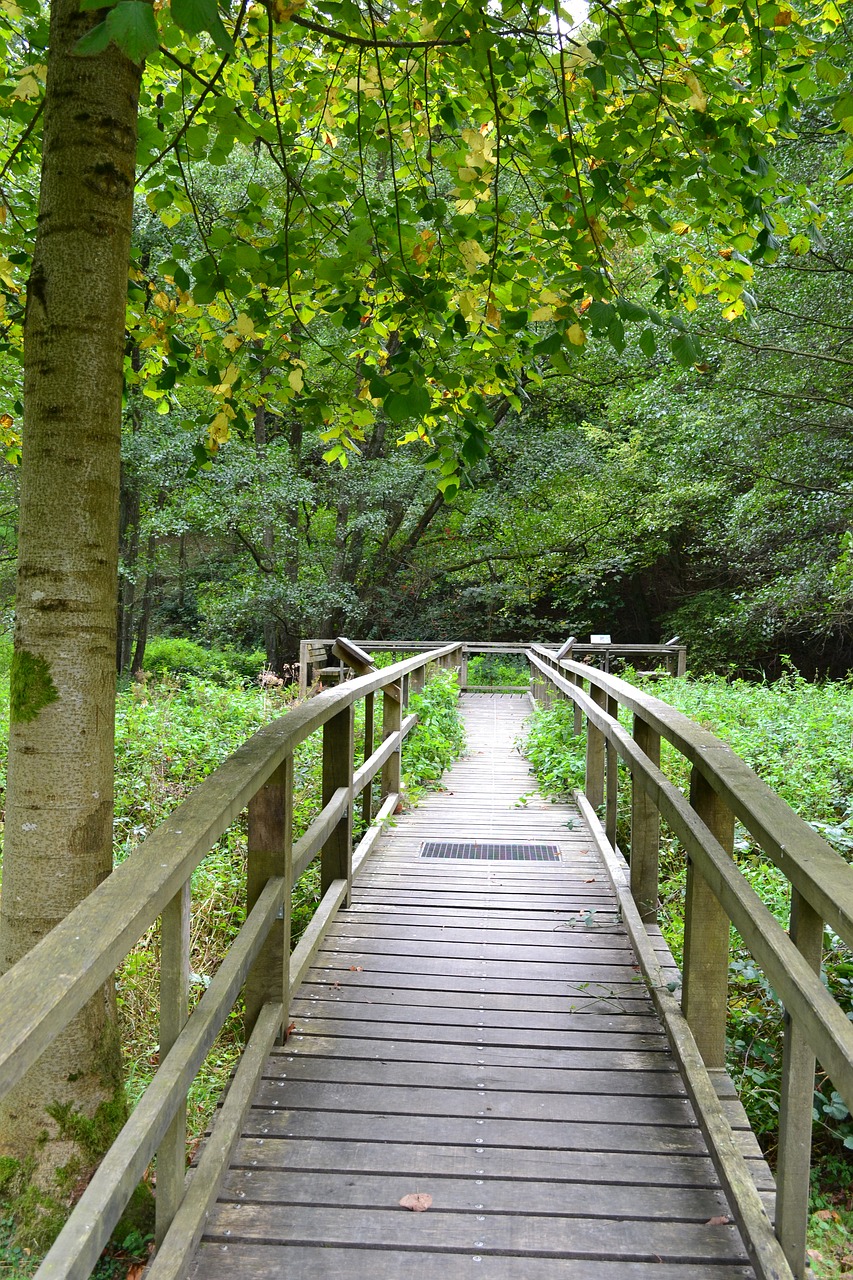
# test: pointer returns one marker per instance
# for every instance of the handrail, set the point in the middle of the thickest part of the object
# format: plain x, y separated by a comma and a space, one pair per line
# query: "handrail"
724, 787
42, 993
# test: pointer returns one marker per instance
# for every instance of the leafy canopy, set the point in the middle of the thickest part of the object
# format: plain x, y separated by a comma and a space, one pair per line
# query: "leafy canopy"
441, 200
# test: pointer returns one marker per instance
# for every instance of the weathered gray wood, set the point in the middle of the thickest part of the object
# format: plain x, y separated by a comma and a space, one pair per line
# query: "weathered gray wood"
554, 1236
174, 1008
706, 935
468, 1195
271, 1262
764, 1249
369, 740
338, 749
79, 1244
612, 779
175, 1252
618, 1169
392, 719
645, 829
796, 1102
270, 854
594, 787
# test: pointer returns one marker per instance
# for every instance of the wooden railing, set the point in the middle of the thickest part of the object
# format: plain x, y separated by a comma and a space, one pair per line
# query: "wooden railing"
44, 991
722, 789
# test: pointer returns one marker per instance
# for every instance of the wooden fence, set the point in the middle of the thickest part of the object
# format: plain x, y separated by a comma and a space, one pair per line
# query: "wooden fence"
44, 991
722, 789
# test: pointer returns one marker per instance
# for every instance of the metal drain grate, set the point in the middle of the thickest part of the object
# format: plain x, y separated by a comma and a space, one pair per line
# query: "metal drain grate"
490, 851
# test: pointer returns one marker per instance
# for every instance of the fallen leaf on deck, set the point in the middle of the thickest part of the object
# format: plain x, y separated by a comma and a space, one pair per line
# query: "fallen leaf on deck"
290, 1029
418, 1201
355, 968
722, 1221
591, 880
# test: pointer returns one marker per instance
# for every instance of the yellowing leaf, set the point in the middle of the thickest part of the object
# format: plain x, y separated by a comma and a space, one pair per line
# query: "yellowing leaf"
576, 335
296, 379
232, 342
544, 313
493, 316
468, 304
245, 326
283, 10
170, 217
698, 99
27, 87
219, 430
548, 296
161, 300
473, 255
783, 18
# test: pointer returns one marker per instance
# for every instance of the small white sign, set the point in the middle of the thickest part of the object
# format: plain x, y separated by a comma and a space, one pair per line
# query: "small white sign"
600, 640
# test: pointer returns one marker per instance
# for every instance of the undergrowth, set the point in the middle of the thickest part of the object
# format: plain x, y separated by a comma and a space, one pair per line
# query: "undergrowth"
498, 669
798, 737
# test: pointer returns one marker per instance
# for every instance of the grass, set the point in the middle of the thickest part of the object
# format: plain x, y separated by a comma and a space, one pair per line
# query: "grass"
798, 736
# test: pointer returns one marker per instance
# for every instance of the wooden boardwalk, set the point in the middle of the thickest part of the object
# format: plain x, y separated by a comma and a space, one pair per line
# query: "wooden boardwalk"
478, 1032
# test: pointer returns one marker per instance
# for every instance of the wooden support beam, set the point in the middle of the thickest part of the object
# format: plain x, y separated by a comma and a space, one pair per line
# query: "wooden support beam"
338, 749
369, 738
612, 775
174, 1010
645, 830
797, 1100
270, 854
594, 786
706, 934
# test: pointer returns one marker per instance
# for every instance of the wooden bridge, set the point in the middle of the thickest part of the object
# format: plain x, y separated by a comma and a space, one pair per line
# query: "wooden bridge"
483, 1016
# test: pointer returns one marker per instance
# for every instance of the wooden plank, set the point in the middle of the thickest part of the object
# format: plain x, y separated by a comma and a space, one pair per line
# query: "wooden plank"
539, 1235
471, 1195
476, 1075
455, 1160
488, 1131
585, 1032
645, 829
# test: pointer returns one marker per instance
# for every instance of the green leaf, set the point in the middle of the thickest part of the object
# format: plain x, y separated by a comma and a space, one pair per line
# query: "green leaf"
132, 26
95, 41
685, 350
648, 343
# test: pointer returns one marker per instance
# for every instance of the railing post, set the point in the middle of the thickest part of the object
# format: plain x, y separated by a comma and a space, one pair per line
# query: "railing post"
338, 750
706, 935
577, 723
270, 854
417, 680
174, 1009
392, 718
797, 1100
463, 667
645, 830
612, 798
594, 786
303, 668
369, 738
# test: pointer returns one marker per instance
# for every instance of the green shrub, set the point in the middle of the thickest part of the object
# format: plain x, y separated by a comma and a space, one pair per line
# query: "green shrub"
498, 669
171, 656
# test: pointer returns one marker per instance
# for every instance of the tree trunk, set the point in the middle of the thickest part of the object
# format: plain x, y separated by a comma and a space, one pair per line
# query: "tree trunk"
60, 792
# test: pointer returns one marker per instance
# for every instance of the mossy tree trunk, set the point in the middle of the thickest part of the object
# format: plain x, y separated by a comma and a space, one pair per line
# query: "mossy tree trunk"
60, 793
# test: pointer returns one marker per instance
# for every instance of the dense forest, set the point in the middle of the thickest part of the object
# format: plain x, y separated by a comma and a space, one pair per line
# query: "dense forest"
679, 464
